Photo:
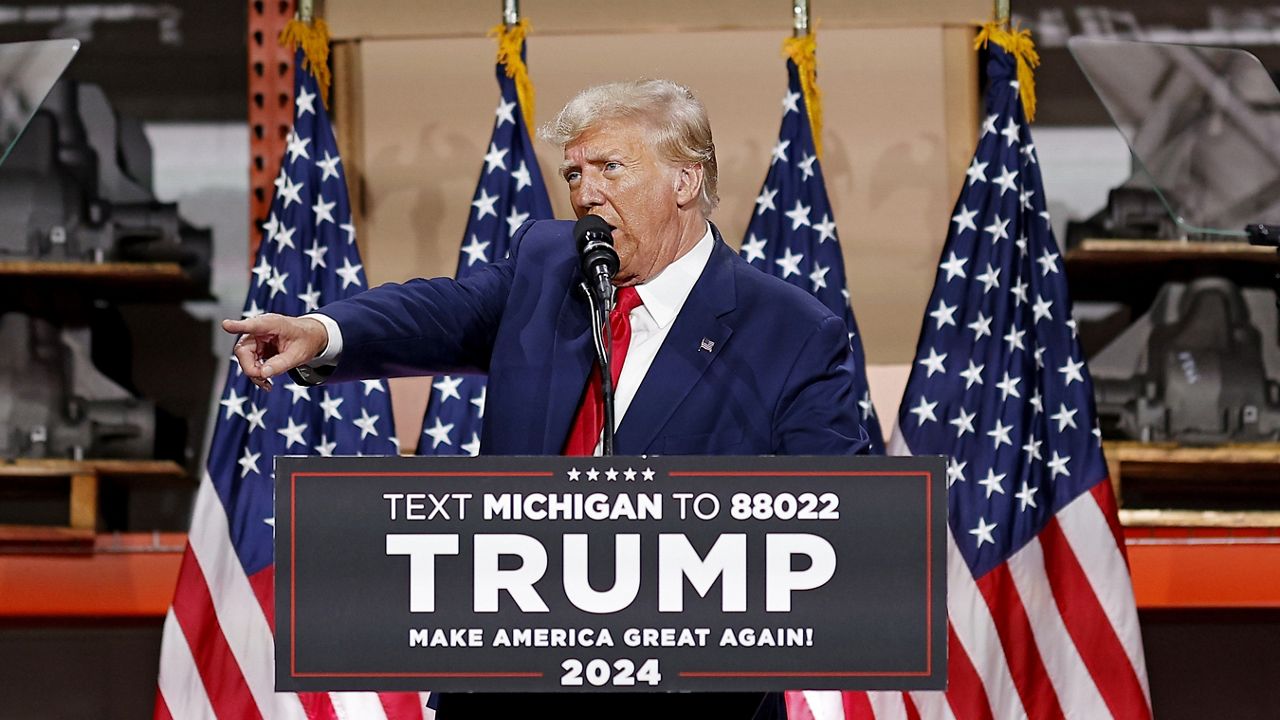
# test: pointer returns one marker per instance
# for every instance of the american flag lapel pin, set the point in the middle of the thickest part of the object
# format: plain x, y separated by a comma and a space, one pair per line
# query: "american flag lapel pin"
707, 345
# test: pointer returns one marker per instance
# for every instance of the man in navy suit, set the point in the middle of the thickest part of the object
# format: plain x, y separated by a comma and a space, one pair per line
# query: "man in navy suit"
722, 358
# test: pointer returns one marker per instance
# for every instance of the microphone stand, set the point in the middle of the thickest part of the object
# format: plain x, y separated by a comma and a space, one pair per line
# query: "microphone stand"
601, 336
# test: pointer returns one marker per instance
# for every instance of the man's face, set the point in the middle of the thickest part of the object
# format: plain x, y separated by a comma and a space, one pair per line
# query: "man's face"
613, 172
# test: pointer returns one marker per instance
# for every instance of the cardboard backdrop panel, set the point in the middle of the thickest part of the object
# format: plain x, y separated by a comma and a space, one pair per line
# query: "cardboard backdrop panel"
900, 122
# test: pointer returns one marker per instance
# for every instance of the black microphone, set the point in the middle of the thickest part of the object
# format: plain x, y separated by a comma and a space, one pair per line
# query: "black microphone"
595, 251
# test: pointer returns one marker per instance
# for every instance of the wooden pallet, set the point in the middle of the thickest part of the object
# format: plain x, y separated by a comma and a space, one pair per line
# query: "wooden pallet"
1168, 485
82, 502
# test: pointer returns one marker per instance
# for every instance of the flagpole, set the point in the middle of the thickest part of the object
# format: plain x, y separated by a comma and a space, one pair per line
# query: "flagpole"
510, 13
306, 10
1002, 12
800, 17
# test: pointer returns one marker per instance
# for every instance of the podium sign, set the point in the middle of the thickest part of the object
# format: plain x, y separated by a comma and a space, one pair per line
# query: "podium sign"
533, 574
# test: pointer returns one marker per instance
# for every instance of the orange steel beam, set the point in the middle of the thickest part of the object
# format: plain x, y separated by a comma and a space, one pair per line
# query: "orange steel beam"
270, 106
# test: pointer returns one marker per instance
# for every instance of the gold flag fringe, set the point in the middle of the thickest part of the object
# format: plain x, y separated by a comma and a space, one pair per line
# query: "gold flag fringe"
803, 52
1018, 43
510, 43
314, 40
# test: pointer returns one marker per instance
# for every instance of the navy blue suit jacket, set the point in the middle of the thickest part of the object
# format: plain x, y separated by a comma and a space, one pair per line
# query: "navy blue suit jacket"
778, 378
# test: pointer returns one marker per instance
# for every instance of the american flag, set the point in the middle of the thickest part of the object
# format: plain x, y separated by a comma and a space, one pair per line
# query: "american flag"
217, 655
1043, 620
509, 192
792, 233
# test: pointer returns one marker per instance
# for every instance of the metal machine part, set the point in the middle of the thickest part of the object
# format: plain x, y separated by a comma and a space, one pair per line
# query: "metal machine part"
76, 187
55, 404
1197, 370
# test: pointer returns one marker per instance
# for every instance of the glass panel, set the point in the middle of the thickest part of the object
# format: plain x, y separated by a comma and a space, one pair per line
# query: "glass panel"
28, 71
1202, 122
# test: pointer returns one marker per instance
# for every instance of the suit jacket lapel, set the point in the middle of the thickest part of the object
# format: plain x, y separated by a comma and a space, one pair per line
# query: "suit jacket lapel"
571, 360
698, 335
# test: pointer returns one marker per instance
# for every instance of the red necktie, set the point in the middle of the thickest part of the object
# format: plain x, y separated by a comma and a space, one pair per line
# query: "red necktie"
589, 420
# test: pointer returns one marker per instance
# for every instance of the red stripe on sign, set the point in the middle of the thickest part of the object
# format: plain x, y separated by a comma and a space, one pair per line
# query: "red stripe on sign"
965, 692
857, 706
318, 706
1026, 666
219, 672
161, 711
402, 706
1106, 499
1090, 629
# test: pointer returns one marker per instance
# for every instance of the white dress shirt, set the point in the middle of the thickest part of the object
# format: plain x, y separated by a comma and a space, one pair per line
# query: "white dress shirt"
663, 298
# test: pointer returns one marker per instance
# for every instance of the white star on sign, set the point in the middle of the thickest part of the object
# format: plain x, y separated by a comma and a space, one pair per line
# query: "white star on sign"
249, 462
977, 171
754, 248
1026, 496
963, 422
495, 158
233, 403
799, 215
522, 176
1072, 371
954, 266
475, 250
972, 375
1065, 417
366, 423
944, 314
983, 532
573, 474
305, 102
648, 475
924, 411
780, 151
992, 482
1005, 181
826, 229
955, 471
934, 362
439, 434
629, 475
764, 201
593, 475
293, 434
790, 263
349, 273
484, 204
1000, 434
964, 220
329, 165
448, 387
611, 475
330, 406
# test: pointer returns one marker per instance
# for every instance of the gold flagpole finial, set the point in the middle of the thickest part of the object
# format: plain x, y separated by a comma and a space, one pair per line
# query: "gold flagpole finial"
800, 17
